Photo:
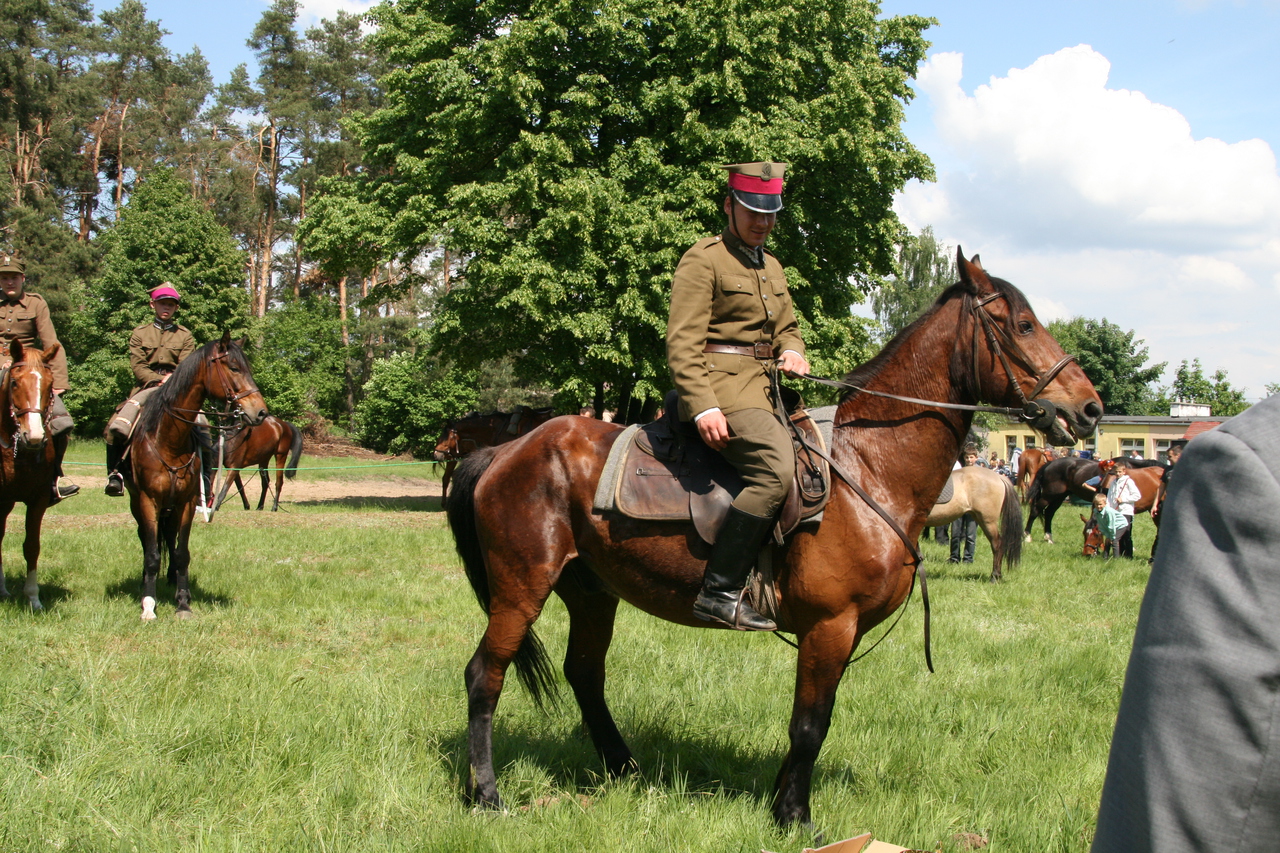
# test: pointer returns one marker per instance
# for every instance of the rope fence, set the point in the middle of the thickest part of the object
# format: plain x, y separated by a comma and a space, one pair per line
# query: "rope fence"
300, 467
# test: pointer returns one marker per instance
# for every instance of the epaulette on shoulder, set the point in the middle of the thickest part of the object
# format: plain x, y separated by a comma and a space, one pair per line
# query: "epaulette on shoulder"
708, 242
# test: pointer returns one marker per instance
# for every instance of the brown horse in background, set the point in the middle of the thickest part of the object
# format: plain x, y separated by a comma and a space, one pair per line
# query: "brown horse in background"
524, 525
163, 461
1030, 462
992, 500
258, 445
1066, 477
28, 459
474, 431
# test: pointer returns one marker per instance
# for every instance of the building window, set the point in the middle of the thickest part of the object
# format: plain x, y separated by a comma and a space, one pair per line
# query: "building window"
1128, 445
1162, 449
1029, 441
1011, 444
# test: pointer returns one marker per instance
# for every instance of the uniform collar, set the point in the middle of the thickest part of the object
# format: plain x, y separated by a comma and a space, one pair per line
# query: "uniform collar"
164, 327
753, 254
7, 301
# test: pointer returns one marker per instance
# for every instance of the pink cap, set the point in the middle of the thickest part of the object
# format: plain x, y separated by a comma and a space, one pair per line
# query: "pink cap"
165, 291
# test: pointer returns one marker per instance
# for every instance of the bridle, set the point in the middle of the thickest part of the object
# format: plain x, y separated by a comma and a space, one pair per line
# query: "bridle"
1038, 412
231, 415
15, 413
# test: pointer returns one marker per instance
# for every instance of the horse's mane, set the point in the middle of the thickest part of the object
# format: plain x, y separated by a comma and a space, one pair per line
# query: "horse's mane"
180, 381
869, 370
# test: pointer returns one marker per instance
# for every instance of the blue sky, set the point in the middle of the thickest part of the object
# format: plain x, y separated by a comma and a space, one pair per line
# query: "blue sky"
1112, 159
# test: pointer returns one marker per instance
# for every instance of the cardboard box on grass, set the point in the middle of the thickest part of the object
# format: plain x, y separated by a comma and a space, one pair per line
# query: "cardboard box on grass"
858, 845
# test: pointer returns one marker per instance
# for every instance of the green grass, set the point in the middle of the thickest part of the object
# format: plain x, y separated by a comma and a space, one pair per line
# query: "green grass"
316, 702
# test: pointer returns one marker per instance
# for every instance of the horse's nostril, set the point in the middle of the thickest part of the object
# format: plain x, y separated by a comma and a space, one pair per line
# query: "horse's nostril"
1093, 410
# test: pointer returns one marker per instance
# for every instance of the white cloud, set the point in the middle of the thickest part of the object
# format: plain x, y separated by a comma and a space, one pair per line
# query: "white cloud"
1052, 155
311, 12
1099, 202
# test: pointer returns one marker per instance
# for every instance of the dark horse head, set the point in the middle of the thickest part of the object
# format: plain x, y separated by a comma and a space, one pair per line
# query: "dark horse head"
29, 391
222, 371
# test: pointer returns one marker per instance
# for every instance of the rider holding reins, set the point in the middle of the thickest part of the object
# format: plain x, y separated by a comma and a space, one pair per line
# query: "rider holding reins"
25, 316
731, 318
155, 351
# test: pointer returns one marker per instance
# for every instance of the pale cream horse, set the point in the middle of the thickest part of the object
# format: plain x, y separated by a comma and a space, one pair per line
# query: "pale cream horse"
994, 504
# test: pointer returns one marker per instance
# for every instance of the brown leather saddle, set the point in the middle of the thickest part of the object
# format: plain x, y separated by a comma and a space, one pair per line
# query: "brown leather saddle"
666, 473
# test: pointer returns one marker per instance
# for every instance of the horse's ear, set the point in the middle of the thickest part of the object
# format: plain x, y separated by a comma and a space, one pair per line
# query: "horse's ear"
243, 343
226, 339
972, 275
51, 352
15, 350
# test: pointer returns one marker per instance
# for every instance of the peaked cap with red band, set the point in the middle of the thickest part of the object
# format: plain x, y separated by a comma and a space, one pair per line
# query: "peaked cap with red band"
757, 186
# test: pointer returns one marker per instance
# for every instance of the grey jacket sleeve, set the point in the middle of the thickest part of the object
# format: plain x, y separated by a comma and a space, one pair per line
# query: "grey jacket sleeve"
1195, 761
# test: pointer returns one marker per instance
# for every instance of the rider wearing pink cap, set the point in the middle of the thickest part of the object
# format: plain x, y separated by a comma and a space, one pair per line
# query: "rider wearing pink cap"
155, 351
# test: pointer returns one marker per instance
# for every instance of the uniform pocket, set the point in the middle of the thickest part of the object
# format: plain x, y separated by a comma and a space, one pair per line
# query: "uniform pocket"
722, 362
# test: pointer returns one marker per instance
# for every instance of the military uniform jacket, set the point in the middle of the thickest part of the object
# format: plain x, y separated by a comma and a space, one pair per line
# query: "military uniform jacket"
720, 295
28, 321
155, 352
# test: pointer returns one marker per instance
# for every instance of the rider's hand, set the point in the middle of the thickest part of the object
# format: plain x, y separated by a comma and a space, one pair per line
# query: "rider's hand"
714, 429
793, 364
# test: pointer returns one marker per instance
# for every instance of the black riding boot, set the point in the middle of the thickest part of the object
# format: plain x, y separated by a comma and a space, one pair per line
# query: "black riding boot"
115, 481
735, 552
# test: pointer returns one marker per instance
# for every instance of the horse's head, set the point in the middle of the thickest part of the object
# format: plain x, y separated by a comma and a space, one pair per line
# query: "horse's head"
1092, 541
1019, 364
447, 446
30, 393
229, 379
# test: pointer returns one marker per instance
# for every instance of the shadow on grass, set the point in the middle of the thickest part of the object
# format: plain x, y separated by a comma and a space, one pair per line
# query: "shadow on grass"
680, 762
50, 594
430, 503
131, 588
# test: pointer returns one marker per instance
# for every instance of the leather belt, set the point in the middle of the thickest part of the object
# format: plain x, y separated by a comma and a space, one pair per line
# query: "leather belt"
759, 350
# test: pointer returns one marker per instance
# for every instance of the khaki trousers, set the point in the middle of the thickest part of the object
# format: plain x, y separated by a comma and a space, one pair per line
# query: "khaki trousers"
760, 449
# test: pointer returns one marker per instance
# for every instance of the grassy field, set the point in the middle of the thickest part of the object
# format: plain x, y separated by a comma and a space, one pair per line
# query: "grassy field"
316, 702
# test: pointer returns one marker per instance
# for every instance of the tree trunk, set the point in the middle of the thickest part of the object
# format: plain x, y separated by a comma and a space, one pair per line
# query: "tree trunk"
124, 111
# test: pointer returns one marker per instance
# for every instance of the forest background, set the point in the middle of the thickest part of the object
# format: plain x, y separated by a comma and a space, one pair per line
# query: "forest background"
448, 206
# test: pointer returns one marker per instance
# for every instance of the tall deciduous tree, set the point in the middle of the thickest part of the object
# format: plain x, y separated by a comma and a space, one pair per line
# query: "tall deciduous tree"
567, 153
1190, 384
1114, 361
927, 268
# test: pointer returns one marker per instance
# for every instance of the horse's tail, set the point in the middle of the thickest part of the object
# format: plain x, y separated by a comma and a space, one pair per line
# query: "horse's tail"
295, 450
533, 666
1011, 525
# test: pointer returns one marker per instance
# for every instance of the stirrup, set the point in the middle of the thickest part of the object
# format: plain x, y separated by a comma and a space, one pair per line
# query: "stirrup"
63, 489
115, 485
730, 609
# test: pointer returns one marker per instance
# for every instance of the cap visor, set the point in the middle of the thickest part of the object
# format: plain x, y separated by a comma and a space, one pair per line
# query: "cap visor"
759, 202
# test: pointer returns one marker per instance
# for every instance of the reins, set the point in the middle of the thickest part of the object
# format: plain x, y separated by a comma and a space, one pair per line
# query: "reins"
1039, 413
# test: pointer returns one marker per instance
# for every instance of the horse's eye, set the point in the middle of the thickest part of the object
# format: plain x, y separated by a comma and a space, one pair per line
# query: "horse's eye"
1025, 327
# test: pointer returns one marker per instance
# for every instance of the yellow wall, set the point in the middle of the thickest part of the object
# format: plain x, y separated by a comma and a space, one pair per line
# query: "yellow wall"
1112, 439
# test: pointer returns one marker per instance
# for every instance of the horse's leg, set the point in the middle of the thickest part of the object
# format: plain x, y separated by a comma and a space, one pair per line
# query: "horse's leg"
235, 478
991, 527
591, 616
145, 513
823, 652
31, 552
1055, 501
520, 585
265, 479
280, 463
5, 508
444, 480
178, 535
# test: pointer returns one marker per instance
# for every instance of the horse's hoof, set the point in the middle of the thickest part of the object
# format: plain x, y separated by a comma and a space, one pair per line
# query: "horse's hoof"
36, 605
148, 609
184, 614
1026, 538
1048, 539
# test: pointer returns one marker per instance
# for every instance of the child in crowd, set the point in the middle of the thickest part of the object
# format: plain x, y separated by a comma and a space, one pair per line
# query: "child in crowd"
1109, 521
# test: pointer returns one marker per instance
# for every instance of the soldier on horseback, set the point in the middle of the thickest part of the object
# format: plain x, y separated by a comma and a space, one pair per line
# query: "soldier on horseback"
25, 316
731, 317
155, 351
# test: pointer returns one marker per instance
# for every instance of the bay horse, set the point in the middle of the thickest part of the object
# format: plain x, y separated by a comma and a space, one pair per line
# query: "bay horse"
258, 445
28, 458
1031, 461
995, 506
1066, 477
163, 464
522, 518
474, 431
